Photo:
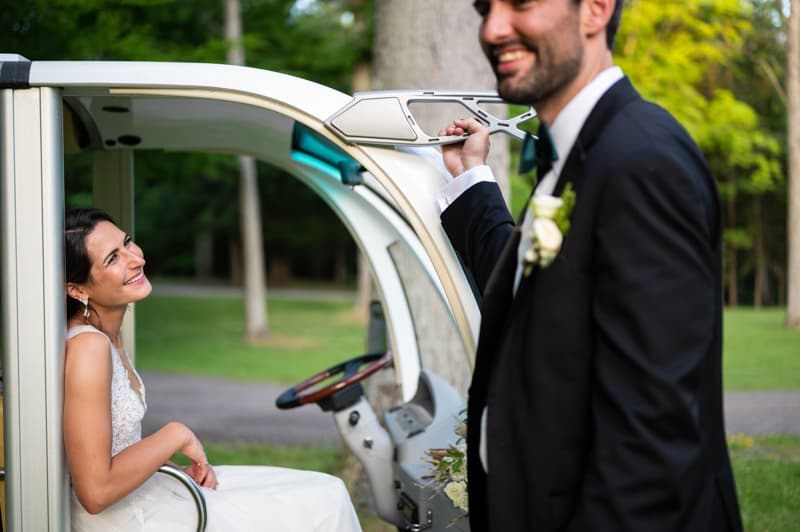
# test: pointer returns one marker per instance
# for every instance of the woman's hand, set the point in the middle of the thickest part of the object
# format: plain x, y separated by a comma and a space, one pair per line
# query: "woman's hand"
200, 470
460, 157
203, 474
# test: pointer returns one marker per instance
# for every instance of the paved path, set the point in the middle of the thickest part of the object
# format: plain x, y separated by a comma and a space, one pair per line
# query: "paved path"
187, 289
223, 410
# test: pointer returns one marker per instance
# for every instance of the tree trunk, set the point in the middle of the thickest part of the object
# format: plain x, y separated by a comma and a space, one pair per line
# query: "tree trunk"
421, 44
434, 45
255, 290
203, 255
732, 268
760, 272
793, 232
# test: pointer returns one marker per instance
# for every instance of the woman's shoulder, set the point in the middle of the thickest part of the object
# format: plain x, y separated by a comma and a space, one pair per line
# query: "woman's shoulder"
86, 343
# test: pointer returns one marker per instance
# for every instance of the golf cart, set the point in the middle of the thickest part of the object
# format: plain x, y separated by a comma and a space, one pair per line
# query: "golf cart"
325, 139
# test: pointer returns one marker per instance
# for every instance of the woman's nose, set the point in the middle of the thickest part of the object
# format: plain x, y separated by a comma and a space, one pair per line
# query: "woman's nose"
135, 258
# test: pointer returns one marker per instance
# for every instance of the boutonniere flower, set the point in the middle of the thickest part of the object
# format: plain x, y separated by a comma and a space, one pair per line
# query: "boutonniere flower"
550, 215
449, 469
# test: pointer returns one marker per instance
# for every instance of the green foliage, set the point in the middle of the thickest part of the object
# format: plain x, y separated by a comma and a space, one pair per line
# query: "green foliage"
179, 196
678, 55
562, 216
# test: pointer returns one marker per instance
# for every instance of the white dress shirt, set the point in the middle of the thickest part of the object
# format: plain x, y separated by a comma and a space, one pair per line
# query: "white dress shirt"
564, 130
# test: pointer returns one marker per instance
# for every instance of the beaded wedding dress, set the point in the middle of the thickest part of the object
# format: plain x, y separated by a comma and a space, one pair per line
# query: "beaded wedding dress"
248, 498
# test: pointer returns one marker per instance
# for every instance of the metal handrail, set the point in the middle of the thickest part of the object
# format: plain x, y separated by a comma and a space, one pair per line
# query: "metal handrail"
199, 500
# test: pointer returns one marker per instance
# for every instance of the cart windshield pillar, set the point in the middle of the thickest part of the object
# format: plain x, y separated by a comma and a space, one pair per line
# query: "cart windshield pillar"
31, 265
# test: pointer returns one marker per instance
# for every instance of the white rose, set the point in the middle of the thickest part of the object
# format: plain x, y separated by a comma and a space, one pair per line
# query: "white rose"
457, 491
548, 239
531, 256
545, 206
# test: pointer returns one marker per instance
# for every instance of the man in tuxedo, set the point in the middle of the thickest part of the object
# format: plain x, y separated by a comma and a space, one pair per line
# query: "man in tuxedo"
596, 401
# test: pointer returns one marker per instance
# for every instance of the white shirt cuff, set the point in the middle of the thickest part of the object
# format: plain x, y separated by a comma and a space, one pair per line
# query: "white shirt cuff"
450, 192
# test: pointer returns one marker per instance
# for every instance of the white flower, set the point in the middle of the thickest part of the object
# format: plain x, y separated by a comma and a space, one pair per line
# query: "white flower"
548, 239
449, 469
549, 217
544, 206
457, 491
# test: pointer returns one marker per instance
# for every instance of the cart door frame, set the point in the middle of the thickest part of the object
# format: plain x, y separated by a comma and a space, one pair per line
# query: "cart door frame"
31, 255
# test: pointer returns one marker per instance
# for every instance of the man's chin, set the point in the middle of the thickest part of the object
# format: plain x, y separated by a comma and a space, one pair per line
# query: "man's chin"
512, 94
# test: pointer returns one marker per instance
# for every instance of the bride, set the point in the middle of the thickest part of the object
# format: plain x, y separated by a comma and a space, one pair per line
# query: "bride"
113, 468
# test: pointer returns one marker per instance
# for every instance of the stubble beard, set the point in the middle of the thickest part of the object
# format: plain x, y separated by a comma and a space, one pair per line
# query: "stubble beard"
545, 79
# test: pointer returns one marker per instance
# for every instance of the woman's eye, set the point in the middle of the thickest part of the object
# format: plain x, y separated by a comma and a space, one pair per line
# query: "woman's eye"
128, 240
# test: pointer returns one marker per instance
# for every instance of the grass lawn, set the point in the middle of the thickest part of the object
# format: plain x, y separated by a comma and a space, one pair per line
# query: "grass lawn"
767, 472
760, 354
205, 336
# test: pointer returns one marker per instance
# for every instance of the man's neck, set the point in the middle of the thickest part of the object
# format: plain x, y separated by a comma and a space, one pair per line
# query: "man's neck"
549, 110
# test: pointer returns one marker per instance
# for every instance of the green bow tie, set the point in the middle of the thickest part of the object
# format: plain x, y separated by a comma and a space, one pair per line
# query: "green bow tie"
538, 152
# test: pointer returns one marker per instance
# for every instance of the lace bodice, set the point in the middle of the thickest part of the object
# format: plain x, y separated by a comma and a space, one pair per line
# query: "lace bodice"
127, 410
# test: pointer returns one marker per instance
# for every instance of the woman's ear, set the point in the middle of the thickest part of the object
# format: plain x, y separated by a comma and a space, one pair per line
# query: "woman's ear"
76, 292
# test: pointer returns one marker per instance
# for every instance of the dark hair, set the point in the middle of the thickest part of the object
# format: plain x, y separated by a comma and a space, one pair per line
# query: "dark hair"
78, 224
613, 22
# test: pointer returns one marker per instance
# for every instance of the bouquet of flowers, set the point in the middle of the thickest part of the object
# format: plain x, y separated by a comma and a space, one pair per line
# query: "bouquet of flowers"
449, 468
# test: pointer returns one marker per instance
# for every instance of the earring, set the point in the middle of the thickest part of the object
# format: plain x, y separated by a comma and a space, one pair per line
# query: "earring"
85, 308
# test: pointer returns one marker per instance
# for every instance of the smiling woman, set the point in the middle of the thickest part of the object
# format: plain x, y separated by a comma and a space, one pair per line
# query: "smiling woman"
112, 466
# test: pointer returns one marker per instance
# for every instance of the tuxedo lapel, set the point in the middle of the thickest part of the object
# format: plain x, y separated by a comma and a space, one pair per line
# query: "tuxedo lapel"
573, 171
616, 97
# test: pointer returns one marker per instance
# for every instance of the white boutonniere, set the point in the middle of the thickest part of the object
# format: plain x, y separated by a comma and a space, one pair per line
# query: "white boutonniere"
550, 215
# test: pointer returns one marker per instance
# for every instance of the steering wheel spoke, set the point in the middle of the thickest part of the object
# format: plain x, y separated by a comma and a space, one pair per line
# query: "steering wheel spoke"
305, 392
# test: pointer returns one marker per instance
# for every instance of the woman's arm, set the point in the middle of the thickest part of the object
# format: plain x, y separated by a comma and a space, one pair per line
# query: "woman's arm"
99, 479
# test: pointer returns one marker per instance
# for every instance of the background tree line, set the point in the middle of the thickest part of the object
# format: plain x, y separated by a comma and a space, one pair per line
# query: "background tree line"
719, 66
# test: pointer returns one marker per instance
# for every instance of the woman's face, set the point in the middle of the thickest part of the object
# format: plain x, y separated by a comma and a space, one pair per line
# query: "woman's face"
117, 275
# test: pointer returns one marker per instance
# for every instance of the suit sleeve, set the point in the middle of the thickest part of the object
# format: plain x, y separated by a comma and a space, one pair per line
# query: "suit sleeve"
478, 224
656, 312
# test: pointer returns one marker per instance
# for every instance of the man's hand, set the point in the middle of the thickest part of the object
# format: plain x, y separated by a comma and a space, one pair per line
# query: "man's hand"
460, 157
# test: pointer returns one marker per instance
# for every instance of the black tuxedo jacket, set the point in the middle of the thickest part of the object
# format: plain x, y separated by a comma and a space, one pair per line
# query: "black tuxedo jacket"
603, 374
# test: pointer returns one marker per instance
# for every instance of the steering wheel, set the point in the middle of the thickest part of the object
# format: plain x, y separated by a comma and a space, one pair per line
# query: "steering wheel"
294, 396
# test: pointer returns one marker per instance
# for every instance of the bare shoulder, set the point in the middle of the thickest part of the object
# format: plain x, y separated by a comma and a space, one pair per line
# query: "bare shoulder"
88, 358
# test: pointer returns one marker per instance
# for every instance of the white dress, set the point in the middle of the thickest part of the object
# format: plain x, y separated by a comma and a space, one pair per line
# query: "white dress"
247, 499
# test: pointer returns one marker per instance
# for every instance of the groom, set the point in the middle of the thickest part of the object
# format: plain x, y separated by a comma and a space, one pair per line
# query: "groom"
596, 402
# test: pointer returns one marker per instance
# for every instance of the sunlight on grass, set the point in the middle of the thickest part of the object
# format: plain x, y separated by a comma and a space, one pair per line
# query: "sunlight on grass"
760, 353
767, 473
205, 336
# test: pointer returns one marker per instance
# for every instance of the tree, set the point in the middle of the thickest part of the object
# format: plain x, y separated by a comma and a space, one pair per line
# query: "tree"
793, 93
255, 291
434, 45
691, 58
